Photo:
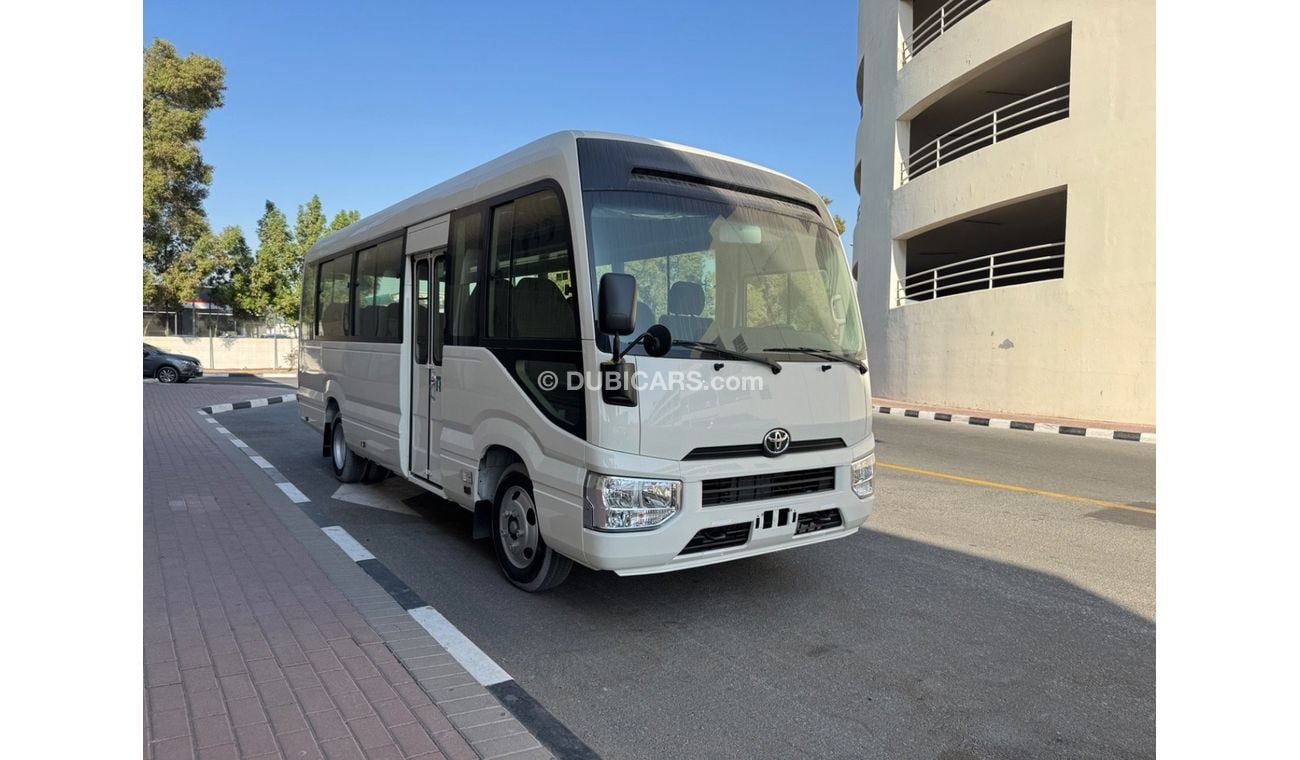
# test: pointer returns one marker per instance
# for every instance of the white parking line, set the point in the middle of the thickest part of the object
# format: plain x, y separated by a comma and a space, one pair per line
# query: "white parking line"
260, 461
474, 660
466, 652
290, 490
350, 546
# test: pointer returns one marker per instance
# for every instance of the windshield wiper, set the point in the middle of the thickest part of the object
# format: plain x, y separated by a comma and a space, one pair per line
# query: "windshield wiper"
820, 354
720, 351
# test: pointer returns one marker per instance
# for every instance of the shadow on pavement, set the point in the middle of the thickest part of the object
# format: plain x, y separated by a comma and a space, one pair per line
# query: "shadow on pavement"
872, 646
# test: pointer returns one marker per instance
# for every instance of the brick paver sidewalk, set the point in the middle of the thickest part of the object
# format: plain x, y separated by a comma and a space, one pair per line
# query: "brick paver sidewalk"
250, 649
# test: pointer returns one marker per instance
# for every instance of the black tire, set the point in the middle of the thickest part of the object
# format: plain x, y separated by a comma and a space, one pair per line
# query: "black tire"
347, 466
167, 374
517, 541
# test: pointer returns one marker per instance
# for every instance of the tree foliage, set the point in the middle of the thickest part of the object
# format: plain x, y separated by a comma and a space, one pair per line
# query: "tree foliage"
343, 219
269, 283
310, 226
226, 257
839, 220
182, 258
178, 93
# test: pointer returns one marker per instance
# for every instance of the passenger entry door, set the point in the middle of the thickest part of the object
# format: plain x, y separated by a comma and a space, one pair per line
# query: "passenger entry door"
428, 319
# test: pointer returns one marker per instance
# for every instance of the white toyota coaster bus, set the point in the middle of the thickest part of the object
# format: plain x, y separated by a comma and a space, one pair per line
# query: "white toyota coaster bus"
620, 352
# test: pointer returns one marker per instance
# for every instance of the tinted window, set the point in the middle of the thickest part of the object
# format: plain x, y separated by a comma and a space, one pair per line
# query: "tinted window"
307, 313
377, 312
532, 289
439, 306
335, 284
503, 226
466, 247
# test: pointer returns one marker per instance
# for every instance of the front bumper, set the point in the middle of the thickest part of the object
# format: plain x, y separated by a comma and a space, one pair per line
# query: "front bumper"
190, 371
661, 549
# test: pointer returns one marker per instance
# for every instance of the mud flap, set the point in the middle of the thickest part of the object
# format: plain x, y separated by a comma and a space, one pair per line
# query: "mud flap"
482, 518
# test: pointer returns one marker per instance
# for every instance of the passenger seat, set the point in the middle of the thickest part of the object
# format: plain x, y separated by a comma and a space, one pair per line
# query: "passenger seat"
539, 310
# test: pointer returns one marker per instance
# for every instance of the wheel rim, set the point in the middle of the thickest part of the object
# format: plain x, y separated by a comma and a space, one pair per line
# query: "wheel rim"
339, 447
517, 527
167, 375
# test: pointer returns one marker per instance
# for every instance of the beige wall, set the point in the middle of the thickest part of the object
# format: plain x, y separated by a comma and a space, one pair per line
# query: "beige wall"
218, 354
1082, 346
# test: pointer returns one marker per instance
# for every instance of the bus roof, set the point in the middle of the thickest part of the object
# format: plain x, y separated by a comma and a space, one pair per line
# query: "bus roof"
425, 204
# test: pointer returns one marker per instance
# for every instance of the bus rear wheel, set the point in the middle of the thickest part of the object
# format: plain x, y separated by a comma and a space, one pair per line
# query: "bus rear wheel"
348, 467
517, 540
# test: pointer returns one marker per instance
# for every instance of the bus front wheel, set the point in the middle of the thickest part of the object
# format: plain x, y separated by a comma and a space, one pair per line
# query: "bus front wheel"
517, 539
348, 467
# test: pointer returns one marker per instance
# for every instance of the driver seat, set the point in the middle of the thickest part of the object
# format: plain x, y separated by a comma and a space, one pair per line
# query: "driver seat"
685, 302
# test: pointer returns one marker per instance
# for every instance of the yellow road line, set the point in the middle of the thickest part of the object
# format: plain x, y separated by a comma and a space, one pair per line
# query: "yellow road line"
1020, 489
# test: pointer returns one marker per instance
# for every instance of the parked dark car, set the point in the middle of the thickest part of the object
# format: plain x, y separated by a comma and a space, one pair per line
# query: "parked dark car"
170, 368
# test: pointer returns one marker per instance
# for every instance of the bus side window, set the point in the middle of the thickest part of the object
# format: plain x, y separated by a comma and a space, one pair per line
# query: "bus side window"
335, 288
439, 296
422, 311
466, 248
307, 310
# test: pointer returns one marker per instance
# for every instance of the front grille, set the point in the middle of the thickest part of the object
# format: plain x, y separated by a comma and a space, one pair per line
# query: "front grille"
756, 449
767, 486
720, 537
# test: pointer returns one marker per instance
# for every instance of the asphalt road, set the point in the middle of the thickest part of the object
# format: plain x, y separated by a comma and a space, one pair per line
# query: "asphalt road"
969, 621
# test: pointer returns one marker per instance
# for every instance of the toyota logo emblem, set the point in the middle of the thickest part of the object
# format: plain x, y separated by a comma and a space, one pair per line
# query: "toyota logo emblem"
776, 442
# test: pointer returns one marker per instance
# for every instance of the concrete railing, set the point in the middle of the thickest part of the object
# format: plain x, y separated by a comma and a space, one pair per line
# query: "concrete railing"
219, 354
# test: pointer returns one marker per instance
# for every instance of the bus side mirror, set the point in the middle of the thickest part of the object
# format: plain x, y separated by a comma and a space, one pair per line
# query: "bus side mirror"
657, 340
617, 304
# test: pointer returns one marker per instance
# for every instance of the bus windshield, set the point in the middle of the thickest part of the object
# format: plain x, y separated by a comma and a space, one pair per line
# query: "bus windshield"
744, 278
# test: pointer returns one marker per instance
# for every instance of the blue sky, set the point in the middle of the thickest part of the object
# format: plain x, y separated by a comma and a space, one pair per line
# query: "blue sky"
366, 103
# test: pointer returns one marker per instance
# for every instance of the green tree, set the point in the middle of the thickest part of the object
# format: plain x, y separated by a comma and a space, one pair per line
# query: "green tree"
839, 220
310, 226
178, 93
270, 284
224, 258
150, 289
343, 219
212, 263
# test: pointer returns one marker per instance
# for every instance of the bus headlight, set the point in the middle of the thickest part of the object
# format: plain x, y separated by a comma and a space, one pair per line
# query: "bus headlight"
861, 473
614, 502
